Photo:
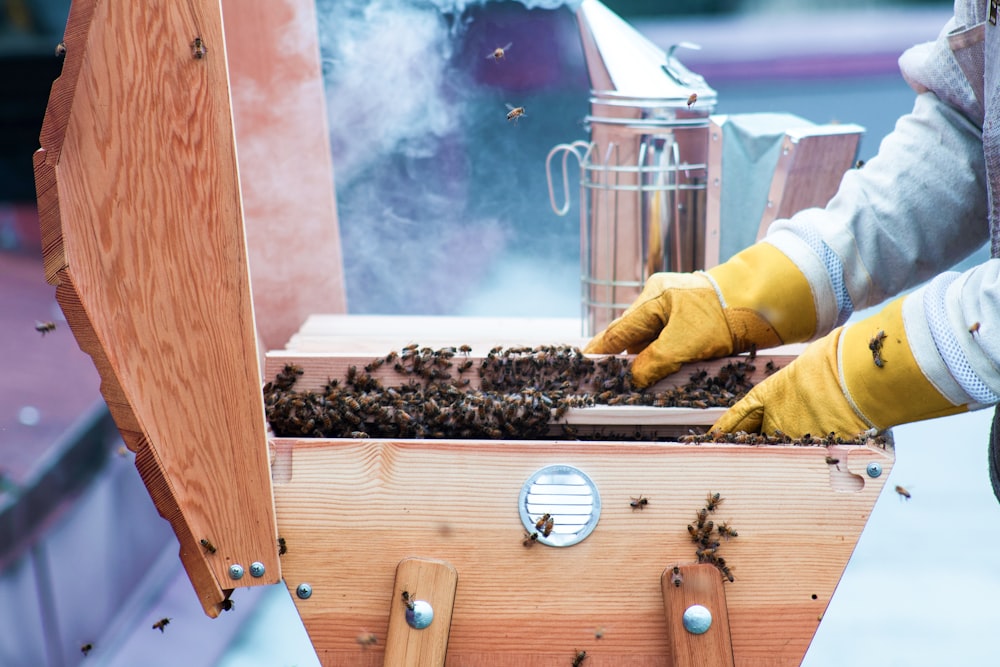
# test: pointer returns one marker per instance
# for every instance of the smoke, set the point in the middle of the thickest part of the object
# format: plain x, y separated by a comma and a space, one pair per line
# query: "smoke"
435, 188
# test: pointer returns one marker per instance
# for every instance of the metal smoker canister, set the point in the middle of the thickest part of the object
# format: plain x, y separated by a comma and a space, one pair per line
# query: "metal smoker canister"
644, 170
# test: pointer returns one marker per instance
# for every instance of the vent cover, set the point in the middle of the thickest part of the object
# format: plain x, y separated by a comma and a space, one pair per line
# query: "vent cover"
569, 496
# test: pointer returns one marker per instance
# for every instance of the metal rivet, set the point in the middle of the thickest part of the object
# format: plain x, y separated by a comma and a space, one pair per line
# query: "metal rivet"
256, 569
235, 571
421, 615
304, 591
697, 619
874, 469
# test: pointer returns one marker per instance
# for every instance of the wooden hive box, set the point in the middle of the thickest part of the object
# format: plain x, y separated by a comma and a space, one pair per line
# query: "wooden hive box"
152, 225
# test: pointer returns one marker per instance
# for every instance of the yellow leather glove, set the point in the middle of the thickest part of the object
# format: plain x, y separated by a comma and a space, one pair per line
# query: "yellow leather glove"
847, 382
678, 317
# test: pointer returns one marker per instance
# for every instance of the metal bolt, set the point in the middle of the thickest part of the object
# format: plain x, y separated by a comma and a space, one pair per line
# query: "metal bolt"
421, 615
256, 569
304, 591
697, 619
874, 469
235, 571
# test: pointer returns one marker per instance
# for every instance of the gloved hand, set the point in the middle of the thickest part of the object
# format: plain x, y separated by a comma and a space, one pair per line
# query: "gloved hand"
851, 380
679, 317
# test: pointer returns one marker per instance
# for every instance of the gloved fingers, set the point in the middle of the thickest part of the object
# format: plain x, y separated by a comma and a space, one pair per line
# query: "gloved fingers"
747, 415
634, 330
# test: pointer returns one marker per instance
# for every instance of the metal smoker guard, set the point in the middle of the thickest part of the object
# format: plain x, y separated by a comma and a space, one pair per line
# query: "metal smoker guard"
644, 170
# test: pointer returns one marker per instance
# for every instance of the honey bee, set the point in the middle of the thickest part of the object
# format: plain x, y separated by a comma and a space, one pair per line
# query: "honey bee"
44, 327
515, 112
161, 624
198, 49
676, 578
713, 501
86, 648
692, 99
408, 600
974, 329
282, 547
903, 493
579, 658
209, 547
367, 639
227, 605
549, 525
830, 460
499, 53
639, 503
529, 539
598, 633
60, 52
875, 345
465, 349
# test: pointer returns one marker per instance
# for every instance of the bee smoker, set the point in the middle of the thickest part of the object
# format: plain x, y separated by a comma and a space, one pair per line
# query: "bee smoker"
644, 170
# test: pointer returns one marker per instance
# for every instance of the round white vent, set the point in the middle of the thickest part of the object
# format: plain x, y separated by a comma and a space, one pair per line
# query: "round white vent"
569, 498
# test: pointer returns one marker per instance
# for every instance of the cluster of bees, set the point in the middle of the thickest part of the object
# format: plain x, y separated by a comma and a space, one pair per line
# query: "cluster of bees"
523, 392
708, 538
869, 438
160, 625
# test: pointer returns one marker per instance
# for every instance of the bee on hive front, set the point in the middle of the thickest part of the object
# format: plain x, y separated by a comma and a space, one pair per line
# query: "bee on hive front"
499, 53
198, 49
579, 658
529, 539
408, 600
639, 503
676, 578
692, 99
209, 547
514, 113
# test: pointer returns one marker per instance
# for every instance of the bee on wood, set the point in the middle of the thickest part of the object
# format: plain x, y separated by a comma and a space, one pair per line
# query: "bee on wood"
198, 49
408, 600
499, 53
282, 546
974, 329
676, 578
374, 365
86, 648
903, 493
770, 367
514, 113
366, 639
875, 345
161, 624
547, 527
725, 531
209, 547
530, 539
598, 633
465, 349
579, 658
45, 327
713, 501
639, 503
692, 99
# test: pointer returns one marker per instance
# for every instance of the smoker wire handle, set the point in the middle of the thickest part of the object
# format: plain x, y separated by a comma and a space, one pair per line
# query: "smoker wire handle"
566, 150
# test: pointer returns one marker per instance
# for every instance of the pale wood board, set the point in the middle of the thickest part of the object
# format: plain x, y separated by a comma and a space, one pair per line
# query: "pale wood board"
141, 215
350, 510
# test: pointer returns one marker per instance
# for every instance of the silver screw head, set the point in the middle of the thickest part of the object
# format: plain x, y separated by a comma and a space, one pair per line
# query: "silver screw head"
304, 591
697, 619
235, 571
256, 569
421, 615
874, 469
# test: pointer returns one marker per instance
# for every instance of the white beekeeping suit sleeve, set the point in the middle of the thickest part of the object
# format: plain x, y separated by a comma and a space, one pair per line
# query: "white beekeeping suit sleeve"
910, 213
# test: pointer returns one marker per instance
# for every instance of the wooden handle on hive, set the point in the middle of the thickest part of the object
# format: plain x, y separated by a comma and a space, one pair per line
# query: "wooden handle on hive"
426, 582
697, 585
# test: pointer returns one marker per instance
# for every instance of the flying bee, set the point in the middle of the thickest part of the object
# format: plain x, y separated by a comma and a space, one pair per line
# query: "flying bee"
374, 365
86, 648
903, 493
692, 99
579, 658
282, 547
529, 539
499, 53
198, 49
875, 345
676, 578
541, 520
367, 639
161, 624
974, 329
209, 547
639, 503
725, 531
408, 600
514, 113
44, 327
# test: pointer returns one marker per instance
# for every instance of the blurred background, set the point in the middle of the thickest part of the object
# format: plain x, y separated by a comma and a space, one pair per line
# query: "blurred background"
445, 175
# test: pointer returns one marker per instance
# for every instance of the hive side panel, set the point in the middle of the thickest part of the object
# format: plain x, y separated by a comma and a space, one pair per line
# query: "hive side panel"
143, 187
